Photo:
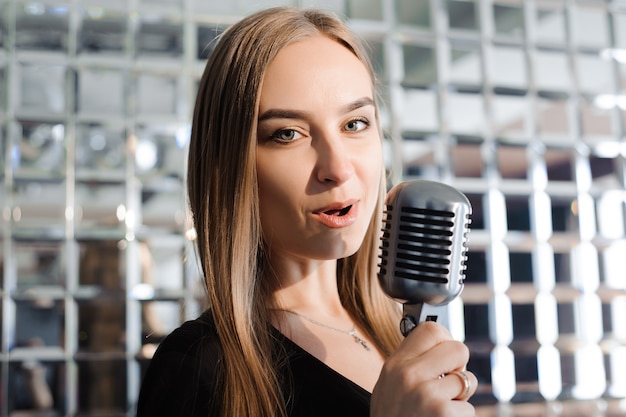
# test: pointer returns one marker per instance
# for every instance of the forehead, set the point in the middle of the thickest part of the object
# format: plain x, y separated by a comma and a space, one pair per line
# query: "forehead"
316, 65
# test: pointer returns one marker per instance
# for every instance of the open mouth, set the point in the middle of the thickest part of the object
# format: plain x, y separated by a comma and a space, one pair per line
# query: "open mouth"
341, 212
336, 217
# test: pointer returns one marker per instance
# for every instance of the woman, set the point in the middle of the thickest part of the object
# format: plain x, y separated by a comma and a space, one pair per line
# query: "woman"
286, 183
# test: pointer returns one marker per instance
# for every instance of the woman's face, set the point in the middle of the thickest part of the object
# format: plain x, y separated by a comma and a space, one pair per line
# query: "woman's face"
319, 156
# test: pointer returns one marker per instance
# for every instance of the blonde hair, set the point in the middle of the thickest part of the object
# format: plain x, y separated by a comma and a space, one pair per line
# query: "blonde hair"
223, 197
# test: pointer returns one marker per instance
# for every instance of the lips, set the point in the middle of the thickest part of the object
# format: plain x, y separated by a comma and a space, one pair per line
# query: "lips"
338, 215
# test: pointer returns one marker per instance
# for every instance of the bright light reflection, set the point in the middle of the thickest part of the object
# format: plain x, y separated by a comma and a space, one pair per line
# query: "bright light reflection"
610, 149
496, 214
588, 308
585, 268
546, 320
120, 212
146, 154
618, 376
142, 292
583, 172
590, 375
586, 217
539, 176
499, 258
58, 132
618, 309
610, 101
544, 266
543, 220
130, 219
500, 320
457, 319
503, 373
549, 368
182, 136
191, 234
610, 219
614, 275
617, 54
605, 101
69, 213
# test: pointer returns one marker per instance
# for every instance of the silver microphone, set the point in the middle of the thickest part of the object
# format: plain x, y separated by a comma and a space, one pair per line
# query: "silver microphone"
424, 249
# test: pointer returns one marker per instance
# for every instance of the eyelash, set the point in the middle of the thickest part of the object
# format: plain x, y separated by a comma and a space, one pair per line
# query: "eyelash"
363, 120
276, 135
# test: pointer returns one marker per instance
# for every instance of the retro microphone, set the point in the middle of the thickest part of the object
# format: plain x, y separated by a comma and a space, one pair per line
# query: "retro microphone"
424, 249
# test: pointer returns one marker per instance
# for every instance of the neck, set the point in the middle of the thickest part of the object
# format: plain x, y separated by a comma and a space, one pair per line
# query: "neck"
307, 286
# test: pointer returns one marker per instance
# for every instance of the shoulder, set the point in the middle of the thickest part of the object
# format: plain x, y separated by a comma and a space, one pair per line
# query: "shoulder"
192, 346
182, 374
191, 338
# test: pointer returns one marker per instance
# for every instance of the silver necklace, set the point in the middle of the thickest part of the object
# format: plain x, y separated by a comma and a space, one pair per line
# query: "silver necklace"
352, 332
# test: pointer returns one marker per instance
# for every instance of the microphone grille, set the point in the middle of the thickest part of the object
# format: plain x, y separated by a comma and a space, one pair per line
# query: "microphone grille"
423, 249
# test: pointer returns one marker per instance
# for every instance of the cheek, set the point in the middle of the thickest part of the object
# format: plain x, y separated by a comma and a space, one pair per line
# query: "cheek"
278, 185
374, 183
372, 168
372, 177
270, 194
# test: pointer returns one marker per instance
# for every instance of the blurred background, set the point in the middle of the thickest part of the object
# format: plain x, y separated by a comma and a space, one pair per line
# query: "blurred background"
519, 104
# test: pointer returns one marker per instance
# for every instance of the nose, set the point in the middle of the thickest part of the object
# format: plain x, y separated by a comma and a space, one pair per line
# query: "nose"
334, 161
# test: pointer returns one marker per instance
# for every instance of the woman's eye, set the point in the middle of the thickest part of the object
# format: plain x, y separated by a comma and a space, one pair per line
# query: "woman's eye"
356, 125
286, 135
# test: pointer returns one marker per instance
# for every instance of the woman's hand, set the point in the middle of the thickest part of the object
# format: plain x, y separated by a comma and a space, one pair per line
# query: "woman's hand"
422, 377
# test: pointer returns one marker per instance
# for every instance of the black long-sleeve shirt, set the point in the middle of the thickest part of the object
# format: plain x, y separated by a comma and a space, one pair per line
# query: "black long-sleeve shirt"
181, 379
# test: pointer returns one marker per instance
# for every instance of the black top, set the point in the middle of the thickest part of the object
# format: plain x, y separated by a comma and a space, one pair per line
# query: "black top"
181, 378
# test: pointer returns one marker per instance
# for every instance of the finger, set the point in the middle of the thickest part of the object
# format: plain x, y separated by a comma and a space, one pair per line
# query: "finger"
460, 385
444, 358
423, 338
473, 385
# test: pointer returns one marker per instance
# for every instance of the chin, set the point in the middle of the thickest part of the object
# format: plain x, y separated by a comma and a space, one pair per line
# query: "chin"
341, 250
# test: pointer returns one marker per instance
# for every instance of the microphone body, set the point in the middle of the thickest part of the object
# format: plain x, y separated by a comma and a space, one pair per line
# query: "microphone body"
424, 249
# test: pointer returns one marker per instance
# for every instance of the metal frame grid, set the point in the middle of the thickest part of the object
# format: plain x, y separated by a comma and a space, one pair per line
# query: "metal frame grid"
518, 103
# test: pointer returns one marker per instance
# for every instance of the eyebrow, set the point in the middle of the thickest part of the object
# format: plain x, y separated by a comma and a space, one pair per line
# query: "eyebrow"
295, 114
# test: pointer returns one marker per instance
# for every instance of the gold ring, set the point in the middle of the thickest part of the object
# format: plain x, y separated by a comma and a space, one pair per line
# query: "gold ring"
466, 384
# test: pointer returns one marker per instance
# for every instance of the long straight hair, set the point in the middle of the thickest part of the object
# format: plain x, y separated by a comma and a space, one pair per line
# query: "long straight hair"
223, 197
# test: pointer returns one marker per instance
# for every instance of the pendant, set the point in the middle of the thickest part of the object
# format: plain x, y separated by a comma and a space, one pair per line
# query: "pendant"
357, 339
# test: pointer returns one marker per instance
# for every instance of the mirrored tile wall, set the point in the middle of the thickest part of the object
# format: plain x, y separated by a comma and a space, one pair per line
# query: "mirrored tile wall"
519, 104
